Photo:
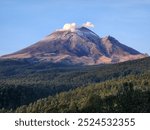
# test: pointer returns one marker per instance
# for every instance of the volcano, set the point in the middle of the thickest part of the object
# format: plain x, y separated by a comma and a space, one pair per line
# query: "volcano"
77, 46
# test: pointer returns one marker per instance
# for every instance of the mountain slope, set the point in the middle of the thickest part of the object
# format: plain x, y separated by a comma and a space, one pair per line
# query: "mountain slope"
78, 46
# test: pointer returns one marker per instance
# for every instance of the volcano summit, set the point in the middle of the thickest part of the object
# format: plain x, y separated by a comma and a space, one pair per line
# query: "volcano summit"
77, 45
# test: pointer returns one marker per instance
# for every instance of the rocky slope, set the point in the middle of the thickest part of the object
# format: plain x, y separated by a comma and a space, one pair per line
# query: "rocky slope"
77, 46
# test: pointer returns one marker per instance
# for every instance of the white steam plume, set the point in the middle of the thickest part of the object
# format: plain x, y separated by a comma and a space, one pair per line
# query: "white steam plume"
88, 24
69, 26
73, 26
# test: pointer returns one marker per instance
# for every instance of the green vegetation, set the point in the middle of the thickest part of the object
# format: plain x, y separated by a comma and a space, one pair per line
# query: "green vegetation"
47, 87
127, 94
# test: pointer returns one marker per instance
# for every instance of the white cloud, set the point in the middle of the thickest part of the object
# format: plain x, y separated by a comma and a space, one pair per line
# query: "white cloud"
73, 26
70, 26
88, 24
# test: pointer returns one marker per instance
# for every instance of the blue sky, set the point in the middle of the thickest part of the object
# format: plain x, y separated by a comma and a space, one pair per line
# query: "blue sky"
24, 22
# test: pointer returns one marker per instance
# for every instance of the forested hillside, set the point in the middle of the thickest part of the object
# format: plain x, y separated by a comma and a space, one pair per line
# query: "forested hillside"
128, 94
22, 83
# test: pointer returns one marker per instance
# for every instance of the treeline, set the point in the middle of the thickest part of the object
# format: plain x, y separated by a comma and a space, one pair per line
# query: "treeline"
24, 82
